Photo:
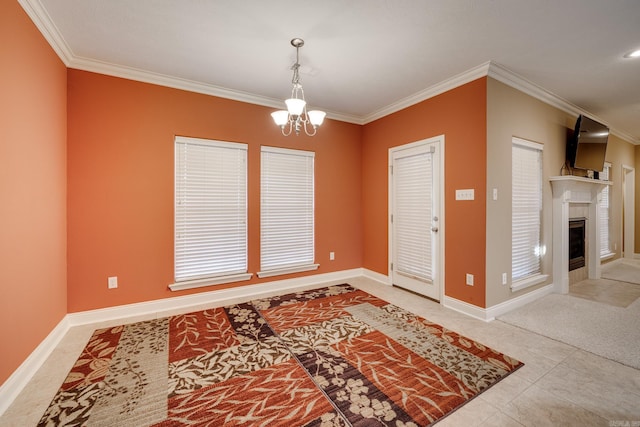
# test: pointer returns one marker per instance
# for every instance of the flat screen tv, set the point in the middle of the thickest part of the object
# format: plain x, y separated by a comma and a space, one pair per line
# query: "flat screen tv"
587, 147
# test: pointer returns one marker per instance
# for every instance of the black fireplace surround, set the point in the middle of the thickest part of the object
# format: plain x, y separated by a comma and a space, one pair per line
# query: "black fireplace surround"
576, 243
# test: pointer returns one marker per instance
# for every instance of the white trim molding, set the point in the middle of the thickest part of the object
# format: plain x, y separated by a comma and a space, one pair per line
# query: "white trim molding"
10, 389
47, 27
521, 284
157, 309
378, 277
490, 313
183, 304
211, 281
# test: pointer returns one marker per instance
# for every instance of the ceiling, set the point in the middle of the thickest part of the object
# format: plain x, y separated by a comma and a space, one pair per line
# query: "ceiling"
362, 59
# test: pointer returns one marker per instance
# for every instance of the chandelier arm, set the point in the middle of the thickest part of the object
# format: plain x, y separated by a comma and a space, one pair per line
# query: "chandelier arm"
283, 131
307, 130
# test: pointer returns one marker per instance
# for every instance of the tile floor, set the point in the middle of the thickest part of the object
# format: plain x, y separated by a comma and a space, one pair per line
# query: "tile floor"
611, 292
559, 385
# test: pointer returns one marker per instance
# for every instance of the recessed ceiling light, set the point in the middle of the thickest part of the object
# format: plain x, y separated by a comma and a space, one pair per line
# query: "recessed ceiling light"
633, 54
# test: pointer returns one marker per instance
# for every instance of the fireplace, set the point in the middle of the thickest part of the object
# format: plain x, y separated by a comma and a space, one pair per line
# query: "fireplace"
576, 243
569, 193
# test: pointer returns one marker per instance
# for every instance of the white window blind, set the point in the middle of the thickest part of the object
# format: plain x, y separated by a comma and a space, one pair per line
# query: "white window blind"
286, 211
413, 180
605, 244
210, 208
526, 181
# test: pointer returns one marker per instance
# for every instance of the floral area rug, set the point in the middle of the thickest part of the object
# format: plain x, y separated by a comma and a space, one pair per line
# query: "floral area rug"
335, 356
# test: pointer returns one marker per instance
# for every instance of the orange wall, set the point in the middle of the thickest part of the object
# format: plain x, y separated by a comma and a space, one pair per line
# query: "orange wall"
120, 186
461, 115
32, 188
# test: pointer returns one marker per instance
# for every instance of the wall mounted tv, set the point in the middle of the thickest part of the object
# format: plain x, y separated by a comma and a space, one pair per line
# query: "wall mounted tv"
587, 147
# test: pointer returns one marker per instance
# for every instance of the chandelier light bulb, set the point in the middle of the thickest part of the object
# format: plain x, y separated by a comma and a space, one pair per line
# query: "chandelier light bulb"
281, 117
295, 106
316, 117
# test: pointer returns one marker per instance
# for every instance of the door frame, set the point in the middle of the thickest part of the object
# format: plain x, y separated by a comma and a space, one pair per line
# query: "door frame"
628, 211
439, 141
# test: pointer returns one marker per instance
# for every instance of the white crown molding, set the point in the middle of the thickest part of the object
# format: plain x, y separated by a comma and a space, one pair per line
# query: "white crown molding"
50, 32
435, 90
43, 22
144, 76
508, 77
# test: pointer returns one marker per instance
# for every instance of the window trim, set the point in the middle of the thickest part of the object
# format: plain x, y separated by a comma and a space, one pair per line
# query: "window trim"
605, 255
536, 277
290, 268
212, 278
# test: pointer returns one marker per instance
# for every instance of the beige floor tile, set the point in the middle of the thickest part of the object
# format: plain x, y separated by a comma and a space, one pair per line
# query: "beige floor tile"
472, 414
618, 294
506, 390
605, 370
500, 419
608, 400
538, 408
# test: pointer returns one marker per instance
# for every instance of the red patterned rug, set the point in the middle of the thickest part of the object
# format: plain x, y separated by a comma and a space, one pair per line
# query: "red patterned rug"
335, 356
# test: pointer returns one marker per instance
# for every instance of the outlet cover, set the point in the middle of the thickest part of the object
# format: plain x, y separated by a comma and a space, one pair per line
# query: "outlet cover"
113, 282
469, 279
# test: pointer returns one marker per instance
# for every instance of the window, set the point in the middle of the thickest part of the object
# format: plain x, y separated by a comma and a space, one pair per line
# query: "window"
210, 212
526, 213
286, 211
605, 243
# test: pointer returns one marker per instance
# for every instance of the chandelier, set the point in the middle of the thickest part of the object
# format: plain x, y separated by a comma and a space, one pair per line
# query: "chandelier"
296, 117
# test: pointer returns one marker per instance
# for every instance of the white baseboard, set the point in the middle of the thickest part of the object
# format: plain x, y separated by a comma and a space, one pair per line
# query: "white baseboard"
464, 308
158, 308
490, 313
378, 277
10, 389
507, 306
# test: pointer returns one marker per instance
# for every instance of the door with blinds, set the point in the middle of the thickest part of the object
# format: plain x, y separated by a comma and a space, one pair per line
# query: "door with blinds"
415, 224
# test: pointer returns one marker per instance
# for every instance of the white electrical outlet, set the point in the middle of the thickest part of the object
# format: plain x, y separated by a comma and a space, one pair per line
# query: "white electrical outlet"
113, 282
504, 278
469, 279
466, 194
332, 256
495, 194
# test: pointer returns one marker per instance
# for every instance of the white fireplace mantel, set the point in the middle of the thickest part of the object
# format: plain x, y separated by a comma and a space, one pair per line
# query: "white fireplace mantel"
573, 189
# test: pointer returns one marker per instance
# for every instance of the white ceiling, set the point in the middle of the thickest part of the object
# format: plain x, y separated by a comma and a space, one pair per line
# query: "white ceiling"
361, 58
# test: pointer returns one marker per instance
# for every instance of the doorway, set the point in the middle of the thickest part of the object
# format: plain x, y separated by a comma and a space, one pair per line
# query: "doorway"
628, 211
416, 226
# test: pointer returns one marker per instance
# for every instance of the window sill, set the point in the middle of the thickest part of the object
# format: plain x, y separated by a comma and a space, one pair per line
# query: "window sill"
201, 283
287, 270
528, 281
607, 256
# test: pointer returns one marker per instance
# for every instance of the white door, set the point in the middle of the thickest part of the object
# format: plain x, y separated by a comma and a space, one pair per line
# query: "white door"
415, 223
